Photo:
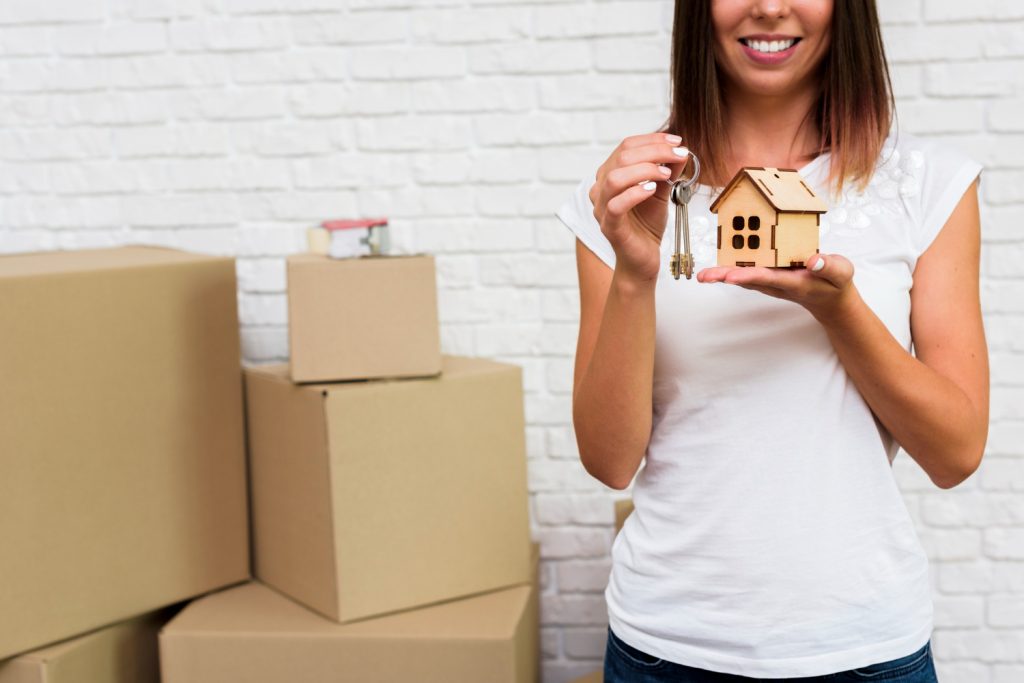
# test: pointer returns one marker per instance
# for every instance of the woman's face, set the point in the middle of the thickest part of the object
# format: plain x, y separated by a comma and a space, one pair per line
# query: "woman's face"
771, 47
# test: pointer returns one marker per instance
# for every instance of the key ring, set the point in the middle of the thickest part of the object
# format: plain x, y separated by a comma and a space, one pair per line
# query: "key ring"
687, 182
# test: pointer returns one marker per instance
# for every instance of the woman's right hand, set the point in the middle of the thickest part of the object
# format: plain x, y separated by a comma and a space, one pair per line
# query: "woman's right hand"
633, 217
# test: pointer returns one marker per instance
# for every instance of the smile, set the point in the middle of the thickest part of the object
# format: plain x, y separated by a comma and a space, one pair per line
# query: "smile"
769, 47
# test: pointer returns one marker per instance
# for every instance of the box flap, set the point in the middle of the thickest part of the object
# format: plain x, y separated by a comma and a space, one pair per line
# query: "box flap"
84, 260
256, 609
451, 367
311, 258
123, 653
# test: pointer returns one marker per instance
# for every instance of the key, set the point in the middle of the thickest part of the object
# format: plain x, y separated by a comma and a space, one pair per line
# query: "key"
682, 262
682, 192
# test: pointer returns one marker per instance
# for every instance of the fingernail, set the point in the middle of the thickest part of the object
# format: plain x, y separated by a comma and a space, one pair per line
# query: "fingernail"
680, 151
674, 139
665, 170
649, 185
819, 264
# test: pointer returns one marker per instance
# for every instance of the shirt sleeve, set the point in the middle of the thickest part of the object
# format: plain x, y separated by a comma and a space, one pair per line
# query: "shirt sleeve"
577, 213
948, 174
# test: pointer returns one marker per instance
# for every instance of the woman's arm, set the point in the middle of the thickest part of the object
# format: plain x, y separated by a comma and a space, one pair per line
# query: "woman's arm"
936, 405
614, 373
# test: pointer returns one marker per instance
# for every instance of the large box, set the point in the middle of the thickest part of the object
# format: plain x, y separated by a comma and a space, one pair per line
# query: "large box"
361, 318
123, 653
252, 634
122, 459
372, 497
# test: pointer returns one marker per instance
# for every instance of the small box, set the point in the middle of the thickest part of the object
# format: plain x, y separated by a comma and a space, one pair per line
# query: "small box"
362, 318
378, 496
596, 677
123, 653
252, 634
122, 454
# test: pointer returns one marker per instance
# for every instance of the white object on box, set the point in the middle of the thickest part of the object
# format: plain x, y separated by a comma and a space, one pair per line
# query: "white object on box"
350, 238
318, 241
349, 243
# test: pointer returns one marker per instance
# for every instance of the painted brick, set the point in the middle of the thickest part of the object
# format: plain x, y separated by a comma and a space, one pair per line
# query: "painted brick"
230, 126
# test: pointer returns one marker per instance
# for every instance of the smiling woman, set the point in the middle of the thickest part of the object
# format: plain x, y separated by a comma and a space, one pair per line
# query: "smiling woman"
769, 538
824, 65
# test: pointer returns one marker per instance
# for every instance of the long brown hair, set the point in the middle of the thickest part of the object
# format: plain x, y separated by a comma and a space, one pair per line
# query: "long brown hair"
853, 112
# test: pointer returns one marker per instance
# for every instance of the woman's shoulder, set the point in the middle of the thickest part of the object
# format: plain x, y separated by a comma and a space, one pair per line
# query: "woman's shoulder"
927, 175
919, 155
912, 170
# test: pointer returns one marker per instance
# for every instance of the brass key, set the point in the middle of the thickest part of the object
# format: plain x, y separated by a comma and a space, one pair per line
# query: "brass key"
682, 191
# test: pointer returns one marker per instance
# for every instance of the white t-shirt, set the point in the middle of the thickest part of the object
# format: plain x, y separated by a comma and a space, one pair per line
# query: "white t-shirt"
769, 537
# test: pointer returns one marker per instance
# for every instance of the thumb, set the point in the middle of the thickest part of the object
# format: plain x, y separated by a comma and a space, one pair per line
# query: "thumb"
831, 267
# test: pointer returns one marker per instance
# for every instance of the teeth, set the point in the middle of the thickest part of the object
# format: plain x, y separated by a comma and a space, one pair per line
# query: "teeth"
769, 47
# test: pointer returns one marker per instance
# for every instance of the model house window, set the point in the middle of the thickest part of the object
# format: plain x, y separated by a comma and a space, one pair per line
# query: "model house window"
737, 241
737, 223
754, 241
754, 222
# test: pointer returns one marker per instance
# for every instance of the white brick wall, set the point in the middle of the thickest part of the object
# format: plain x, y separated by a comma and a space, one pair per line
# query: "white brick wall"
229, 126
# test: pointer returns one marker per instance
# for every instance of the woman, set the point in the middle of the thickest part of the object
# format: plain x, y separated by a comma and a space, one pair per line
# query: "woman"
769, 539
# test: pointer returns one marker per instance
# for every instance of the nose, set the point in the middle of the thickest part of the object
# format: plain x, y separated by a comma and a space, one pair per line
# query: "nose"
769, 9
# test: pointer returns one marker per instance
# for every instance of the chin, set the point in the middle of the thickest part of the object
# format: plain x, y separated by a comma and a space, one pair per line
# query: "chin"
769, 85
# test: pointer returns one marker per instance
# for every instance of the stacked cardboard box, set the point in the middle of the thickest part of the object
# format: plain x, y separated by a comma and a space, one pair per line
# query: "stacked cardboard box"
123, 653
121, 440
362, 318
390, 512
252, 634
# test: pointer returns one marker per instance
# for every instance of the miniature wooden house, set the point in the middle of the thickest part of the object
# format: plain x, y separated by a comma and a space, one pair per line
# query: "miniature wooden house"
767, 217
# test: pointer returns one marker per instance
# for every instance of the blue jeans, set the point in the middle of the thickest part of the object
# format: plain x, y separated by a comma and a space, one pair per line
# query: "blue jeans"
624, 663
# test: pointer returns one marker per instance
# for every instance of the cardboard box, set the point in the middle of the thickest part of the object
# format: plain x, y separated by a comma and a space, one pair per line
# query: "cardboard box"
362, 318
252, 634
623, 508
123, 484
124, 653
596, 677
373, 497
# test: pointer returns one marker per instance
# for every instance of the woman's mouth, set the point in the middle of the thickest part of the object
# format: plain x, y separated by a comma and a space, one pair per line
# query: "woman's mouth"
764, 51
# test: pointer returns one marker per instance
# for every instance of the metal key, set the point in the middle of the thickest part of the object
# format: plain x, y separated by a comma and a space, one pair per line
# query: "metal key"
682, 191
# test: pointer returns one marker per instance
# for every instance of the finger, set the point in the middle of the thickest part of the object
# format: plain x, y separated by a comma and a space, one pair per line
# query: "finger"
649, 139
833, 268
761, 286
619, 205
621, 179
674, 156
753, 275
656, 152
634, 141
714, 273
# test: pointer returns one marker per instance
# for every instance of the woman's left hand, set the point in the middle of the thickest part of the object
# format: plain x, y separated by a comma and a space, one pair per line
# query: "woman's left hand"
825, 292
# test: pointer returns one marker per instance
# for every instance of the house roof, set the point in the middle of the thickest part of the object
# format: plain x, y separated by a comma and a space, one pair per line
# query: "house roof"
784, 188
